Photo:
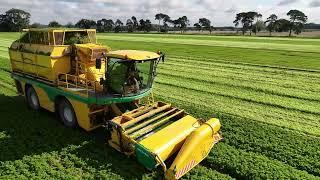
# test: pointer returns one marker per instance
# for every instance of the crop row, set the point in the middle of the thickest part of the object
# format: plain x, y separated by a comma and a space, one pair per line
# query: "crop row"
290, 147
247, 69
248, 165
244, 94
298, 82
251, 66
295, 120
249, 45
295, 92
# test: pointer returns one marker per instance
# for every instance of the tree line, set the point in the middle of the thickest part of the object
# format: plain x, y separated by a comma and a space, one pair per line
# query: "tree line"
251, 21
16, 19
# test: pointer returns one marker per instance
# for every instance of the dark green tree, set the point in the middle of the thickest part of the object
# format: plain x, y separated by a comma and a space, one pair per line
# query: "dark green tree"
86, 24
14, 20
142, 25
181, 23
205, 24
118, 26
282, 25
159, 17
69, 25
135, 23
197, 26
54, 24
246, 20
271, 23
148, 25
35, 25
297, 21
130, 25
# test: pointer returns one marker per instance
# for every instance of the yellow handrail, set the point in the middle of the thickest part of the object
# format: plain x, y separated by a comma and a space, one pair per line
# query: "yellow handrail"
75, 81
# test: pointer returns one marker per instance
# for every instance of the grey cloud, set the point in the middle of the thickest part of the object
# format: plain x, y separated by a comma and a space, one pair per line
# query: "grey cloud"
314, 3
287, 2
231, 11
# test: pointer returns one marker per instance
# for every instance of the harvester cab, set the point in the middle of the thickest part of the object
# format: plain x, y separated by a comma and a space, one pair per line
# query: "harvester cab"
88, 85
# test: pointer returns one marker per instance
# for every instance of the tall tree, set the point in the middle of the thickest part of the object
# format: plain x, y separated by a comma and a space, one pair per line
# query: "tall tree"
54, 24
271, 23
109, 24
197, 26
297, 21
148, 25
86, 24
118, 26
129, 25
14, 20
135, 23
246, 19
258, 26
35, 25
205, 24
181, 23
142, 25
69, 25
282, 25
159, 17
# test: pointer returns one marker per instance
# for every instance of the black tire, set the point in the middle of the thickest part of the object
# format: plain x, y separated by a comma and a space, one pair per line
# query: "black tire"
67, 114
32, 99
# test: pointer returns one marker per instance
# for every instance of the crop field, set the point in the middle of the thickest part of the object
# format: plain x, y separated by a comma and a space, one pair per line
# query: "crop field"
265, 91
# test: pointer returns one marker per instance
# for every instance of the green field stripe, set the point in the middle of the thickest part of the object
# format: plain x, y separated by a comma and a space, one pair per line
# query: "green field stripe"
243, 94
290, 147
238, 72
255, 56
247, 165
262, 86
271, 115
310, 118
284, 92
246, 45
225, 38
246, 66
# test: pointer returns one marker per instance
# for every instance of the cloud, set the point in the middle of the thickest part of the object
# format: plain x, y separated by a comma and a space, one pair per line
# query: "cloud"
287, 2
314, 3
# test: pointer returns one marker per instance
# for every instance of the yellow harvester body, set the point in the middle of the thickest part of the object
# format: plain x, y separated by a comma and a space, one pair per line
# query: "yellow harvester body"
88, 85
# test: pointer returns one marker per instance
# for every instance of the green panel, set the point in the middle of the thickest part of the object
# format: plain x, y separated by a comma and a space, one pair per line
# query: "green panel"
144, 157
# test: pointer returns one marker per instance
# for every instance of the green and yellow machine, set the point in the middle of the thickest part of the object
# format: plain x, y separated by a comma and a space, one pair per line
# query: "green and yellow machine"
89, 86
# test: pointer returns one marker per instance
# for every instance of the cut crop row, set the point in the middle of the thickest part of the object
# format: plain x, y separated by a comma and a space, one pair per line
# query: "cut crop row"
298, 121
247, 165
247, 84
243, 94
293, 83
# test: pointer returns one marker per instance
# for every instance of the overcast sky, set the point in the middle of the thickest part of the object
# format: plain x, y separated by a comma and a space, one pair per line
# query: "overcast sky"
220, 12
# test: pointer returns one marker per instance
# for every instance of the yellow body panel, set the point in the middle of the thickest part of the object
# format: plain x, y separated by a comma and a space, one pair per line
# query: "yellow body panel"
196, 147
44, 100
169, 140
82, 113
133, 55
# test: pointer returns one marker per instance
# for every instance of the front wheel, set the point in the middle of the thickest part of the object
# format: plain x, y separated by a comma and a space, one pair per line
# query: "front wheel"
67, 114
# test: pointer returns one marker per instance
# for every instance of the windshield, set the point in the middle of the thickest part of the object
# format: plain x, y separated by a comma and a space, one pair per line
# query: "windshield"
128, 78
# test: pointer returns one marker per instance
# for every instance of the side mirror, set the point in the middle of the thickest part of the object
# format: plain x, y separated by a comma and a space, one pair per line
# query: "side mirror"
163, 57
98, 63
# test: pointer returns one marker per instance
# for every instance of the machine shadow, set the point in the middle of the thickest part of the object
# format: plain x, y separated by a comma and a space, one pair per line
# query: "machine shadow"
27, 133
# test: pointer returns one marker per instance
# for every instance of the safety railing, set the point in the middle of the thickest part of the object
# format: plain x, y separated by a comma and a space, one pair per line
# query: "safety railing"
82, 85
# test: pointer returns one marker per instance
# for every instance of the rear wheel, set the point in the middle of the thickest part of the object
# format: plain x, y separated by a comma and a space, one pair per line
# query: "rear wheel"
32, 99
67, 114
